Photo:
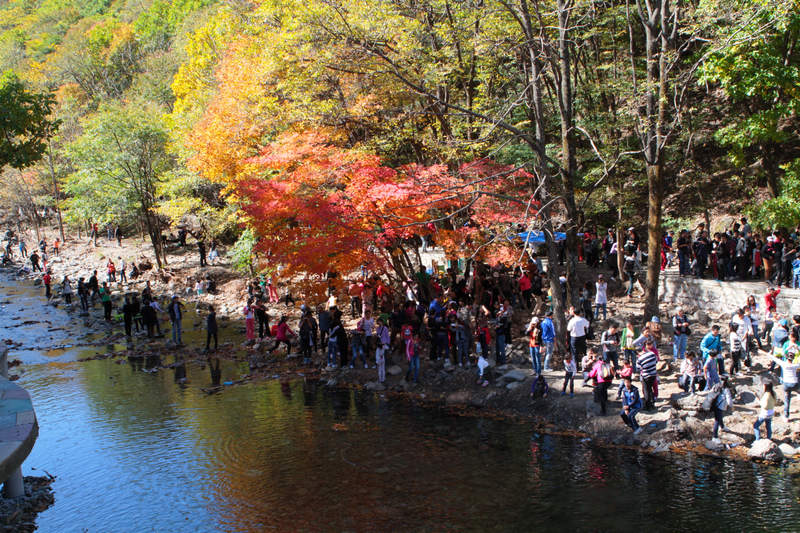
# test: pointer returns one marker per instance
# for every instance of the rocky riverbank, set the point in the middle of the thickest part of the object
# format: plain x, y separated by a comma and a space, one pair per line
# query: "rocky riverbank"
677, 424
18, 515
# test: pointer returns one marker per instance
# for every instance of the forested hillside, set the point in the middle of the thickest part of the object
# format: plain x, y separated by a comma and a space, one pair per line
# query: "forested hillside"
335, 132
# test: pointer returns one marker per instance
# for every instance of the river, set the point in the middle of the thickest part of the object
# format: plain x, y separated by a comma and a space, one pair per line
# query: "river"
135, 451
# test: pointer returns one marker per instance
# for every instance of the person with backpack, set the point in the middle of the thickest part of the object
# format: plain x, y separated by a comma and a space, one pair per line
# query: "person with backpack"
719, 405
603, 374
609, 341
631, 405
767, 411
735, 343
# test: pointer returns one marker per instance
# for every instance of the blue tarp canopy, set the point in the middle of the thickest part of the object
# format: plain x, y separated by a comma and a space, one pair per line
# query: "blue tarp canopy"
537, 237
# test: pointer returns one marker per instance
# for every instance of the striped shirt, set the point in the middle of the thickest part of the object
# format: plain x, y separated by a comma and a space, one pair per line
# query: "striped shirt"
647, 364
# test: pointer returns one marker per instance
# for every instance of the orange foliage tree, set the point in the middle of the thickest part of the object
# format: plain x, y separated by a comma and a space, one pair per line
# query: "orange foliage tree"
317, 208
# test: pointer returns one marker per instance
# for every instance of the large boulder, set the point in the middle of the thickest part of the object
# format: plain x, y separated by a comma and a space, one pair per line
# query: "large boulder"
458, 397
787, 449
394, 370
689, 402
514, 375
700, 317
765, 450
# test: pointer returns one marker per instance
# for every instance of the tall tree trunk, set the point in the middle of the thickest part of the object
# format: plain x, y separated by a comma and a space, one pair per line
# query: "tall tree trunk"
56, 193
655, 197
569, 162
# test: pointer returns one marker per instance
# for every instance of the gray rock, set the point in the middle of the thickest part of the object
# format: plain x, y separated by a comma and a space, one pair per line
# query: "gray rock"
689, 402
457, 397
513, 385
394, 370
787, 449
765, 450
714, 445
514, 375
375, 386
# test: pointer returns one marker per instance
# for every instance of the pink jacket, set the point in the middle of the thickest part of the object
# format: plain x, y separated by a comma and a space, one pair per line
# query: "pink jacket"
597, 373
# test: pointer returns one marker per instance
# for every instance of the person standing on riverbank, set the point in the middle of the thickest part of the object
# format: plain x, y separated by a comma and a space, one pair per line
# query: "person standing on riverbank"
680, 327
83, 295
577, 327
648, 374
128, 312
94, 286
23, 248
569, 376
719, 405
46, 280
765, 414
412, 356
212, 328
175, 311
105, 299
601, 297
548, 339
534, 333
249, 321
111, 270
384, 338
66, 290
35, 262
789, 376
603, 373
282, 335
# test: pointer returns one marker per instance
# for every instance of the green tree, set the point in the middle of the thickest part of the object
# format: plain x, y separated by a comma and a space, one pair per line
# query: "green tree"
120, 159
25, 122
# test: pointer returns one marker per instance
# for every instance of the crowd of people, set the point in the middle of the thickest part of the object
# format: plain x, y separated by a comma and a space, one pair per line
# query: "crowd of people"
469, 320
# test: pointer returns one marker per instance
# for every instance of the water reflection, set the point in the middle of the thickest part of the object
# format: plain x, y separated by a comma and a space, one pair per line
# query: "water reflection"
134, 451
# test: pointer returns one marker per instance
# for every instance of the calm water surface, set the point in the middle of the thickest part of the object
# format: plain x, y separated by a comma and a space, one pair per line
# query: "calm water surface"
134, 451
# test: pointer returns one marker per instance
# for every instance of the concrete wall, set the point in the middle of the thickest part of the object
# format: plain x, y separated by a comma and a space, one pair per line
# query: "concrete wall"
718, 297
